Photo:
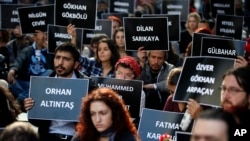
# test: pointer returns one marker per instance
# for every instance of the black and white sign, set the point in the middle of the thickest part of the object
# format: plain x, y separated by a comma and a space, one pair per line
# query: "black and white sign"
57, 98
229, 25
9, 15
176, 7
154, 123
222, 47
201, 78
35, 18
149, 32
58, 34
174, 25
197, 41
129, 90
122, 6
102, 27
223, 7
81, 13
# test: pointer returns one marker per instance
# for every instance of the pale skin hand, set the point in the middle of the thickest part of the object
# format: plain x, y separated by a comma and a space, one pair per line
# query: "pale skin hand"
28, 103
194, 108
11, 76
241, 62
148, 86
142, 55
72, 31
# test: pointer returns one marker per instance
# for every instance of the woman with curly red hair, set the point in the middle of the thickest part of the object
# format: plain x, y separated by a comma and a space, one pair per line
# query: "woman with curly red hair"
104, 117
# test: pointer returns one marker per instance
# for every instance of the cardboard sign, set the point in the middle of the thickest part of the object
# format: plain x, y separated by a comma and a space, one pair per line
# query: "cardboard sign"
81, 13
57, 98
201, 78
102, 26
129, 90
197, 41
222, 47
174, 25
9, 15
182, 136
154, 123
122, 6
58, 34
230, 26
223, 7
35, 18
149, 32
176, 7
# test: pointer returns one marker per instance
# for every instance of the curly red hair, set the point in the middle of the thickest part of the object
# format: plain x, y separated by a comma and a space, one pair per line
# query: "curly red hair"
120, 115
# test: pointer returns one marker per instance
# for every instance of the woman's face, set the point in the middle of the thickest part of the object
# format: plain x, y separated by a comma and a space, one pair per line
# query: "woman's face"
119, 39
192, 23
104, 53
101, 115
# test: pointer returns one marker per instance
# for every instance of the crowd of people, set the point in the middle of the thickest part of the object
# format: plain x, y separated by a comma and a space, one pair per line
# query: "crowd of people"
103, 115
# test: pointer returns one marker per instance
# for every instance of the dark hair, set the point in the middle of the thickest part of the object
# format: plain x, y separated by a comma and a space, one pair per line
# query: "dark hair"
242, 77
165, 54
69, 47
97, 38
9, 108
19, 131
173, 76
120, 29
120, 115
115, 54
5, 36
221, 115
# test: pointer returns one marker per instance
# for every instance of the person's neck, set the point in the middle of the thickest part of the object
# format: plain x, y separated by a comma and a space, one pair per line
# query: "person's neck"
122, 51
68, 76
106, 65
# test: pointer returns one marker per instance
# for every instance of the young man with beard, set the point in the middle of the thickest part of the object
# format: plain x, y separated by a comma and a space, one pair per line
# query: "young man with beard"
154, 75
235, 96
66, 63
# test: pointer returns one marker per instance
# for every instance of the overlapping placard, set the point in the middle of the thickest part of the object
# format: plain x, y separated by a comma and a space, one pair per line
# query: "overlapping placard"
149, 32
81, 13
201, 78
154, 123
58, 34
35, 18
229, 25
129, 90
57, 98
122, 6
173, 7
224, 7
9, 15
174, 25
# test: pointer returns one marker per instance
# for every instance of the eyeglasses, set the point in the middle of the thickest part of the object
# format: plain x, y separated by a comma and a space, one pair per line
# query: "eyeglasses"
231, 90
124, 76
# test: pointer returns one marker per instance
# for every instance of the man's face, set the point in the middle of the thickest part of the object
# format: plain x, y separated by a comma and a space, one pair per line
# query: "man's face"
209, 130
64, 64
233, 97
156, 60
124, 73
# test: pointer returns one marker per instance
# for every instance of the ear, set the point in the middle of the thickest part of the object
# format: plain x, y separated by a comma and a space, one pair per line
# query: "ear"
76, 65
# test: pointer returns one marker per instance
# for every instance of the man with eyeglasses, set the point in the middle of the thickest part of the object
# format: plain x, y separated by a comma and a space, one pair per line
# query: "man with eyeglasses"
235, 98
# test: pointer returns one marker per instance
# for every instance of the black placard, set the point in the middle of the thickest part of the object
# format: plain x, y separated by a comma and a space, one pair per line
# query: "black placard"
149, 32
81, 13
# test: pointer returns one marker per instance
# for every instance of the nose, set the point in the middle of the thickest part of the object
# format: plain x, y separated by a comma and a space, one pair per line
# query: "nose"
98, 118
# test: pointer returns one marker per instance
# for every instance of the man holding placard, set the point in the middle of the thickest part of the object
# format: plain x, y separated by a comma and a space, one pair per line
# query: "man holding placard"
66, 62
